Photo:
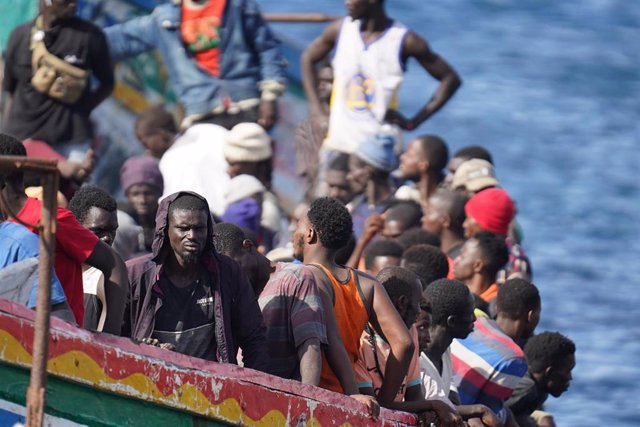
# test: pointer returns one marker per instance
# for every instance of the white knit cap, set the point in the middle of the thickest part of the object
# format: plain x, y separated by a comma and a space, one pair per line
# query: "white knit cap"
247, 142
243, 186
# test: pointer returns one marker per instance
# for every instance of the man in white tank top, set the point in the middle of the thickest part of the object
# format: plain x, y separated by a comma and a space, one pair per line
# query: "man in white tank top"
371, 52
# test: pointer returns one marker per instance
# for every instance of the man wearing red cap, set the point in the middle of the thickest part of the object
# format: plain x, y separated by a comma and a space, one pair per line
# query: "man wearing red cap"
493, 210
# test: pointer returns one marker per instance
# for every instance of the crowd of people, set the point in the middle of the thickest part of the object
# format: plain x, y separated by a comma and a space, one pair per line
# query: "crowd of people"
400, 280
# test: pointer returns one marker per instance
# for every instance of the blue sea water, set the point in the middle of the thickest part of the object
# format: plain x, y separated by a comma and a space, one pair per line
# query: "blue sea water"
552, 88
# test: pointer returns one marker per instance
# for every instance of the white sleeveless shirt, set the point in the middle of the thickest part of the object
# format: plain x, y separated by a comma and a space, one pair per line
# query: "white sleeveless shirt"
366, 81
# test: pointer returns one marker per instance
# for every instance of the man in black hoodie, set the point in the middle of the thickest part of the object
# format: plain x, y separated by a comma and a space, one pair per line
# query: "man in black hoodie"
186, 294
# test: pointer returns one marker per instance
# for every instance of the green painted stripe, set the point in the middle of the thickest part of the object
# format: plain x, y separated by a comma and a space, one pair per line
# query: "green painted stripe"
93, 407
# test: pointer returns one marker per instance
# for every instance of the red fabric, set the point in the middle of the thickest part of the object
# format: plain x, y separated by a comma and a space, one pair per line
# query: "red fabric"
200, 31
74, 244
450, 275
37, 148
492, 209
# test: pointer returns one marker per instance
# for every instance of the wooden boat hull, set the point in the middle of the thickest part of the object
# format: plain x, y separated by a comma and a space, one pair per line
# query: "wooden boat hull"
103, 380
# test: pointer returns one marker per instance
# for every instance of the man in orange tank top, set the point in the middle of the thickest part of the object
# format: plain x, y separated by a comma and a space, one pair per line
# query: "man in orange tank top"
351, 299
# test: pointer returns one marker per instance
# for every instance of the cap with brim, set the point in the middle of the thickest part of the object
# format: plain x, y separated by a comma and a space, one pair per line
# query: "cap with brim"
475, 175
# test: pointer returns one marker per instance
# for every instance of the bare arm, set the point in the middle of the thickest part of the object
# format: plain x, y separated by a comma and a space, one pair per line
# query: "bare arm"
372, 226
416, 47
310, 358
105, 259
389, 325
314, 53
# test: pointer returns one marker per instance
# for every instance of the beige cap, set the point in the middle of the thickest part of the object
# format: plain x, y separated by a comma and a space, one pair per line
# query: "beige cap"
474, 175
247, 142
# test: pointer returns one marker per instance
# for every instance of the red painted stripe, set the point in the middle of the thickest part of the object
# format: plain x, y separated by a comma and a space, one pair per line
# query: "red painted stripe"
257, 392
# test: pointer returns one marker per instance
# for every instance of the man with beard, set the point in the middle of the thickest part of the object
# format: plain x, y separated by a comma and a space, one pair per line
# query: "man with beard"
187, 295
489, 363
424, 163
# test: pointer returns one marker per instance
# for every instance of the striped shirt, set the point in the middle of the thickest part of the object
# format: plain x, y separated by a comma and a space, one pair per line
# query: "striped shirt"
487, 365
292, 311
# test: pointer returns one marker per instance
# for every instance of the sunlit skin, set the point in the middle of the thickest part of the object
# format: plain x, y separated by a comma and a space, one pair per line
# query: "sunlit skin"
299, 235
339, 187
423, 321
410, 161
465, 264
144, 199
187, 232
381, 262
471, 227
463, 325
452, 167
359, 174
434, 216
393, 229
156, 143
558, 377
102, 223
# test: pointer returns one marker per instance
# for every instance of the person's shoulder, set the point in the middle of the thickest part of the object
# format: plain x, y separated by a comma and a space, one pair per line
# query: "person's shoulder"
22, 30
80, 24
138, 266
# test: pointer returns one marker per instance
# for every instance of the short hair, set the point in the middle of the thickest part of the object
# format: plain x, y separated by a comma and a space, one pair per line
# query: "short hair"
474, 152
397, 281
494, 251
381, 247
517, 297
228, 238
546, 349
435, 151
188, 202
89, 196
331, 221
156, 118
427, 261
446, 298
344, 253
10, 146
417, 236
340, 163
406, 212
454, 202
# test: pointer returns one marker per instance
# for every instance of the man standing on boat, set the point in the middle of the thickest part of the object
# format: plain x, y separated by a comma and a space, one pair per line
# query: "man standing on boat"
187, 295
370, 59
224, 63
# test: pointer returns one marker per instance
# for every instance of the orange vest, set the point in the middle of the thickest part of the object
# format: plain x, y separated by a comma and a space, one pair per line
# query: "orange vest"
352, 317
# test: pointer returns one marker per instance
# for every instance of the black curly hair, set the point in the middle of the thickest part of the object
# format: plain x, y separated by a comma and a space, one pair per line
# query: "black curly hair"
417, 236
10, 146
406, 212
331, 221
427, 261
474, 152
546, 349
446, 298
517, 297
381, 247
397, 281
494, 251
228, 238
89, 196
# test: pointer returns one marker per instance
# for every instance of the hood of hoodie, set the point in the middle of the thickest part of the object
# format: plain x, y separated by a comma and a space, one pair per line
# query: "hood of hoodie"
161, 243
